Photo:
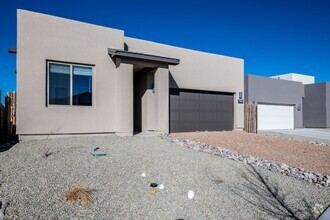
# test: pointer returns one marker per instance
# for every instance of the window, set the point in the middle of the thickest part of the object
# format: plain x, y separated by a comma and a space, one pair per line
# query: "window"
82, 85
69, 84
59, 84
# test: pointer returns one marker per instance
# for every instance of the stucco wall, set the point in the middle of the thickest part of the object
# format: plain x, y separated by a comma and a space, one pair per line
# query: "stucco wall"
317, 105
198, 70
41, 37
275, 91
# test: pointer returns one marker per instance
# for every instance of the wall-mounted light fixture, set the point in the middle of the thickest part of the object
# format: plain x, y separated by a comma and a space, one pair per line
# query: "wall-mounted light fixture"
240, 95
12, 50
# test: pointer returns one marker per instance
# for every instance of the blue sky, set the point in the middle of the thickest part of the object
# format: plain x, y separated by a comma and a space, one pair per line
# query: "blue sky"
272, 36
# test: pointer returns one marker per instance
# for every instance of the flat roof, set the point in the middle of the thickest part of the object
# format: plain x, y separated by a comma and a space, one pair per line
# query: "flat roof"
141, 56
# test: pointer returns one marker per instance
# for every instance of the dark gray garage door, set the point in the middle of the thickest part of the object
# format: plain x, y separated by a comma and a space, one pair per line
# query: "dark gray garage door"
200, 111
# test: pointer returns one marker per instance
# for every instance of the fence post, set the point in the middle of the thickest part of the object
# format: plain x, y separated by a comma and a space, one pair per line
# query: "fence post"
2, 124
8, 118
250, 118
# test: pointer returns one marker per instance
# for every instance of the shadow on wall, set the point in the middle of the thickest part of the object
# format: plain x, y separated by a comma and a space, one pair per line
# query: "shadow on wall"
267, 197
126, 48
172, 82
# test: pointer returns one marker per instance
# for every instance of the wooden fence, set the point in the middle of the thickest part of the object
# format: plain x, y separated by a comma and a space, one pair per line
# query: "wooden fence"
8, 119
2, 124
250, 118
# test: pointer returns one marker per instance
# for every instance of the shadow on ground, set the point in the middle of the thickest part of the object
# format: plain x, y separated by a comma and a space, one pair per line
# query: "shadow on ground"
6, 147
270, 199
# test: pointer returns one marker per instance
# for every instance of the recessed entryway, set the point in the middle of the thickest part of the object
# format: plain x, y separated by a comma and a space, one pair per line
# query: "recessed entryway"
144, 98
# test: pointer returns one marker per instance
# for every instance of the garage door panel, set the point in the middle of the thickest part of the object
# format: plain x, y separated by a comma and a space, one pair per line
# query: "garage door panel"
275, 117
199, 111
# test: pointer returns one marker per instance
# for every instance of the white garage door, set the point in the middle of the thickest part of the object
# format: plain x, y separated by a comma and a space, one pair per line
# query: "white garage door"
275, 117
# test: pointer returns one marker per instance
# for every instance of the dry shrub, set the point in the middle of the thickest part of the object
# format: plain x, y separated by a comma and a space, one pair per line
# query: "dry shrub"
79, 193
217, 180
47, 153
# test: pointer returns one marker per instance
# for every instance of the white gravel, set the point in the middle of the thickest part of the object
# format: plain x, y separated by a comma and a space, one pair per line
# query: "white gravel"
223, 189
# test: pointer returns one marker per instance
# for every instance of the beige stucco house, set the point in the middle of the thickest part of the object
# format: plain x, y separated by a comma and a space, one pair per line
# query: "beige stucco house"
79, 78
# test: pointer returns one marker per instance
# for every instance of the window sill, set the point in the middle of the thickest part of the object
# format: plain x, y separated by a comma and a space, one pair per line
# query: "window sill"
70, 106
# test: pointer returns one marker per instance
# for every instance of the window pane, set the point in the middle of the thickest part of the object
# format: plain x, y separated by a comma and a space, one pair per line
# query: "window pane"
59, 84
82, 85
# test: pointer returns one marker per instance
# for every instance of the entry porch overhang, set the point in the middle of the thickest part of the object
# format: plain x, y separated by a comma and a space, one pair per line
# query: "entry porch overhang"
117, 55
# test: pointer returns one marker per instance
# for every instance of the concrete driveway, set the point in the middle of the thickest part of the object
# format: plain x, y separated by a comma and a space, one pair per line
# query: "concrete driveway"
307, 132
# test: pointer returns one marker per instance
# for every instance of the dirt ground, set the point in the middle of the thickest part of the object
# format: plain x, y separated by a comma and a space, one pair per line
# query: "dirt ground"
281, 150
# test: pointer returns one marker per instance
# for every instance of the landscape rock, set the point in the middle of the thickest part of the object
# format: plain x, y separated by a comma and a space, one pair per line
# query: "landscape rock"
296, 172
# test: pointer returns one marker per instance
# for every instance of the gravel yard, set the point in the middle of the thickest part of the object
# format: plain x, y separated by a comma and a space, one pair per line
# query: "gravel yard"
281, 150
35, 186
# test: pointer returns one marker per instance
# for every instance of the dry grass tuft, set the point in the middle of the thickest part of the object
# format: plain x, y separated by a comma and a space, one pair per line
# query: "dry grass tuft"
217, 181
79, 193
47, 153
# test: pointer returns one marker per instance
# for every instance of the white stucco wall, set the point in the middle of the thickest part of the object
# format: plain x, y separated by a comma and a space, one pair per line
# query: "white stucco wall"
304, 79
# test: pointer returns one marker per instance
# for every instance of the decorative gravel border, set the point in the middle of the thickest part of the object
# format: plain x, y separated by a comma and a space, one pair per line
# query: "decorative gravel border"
296, 172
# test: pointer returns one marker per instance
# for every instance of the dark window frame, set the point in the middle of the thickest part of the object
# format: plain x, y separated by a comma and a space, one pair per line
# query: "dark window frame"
71, 64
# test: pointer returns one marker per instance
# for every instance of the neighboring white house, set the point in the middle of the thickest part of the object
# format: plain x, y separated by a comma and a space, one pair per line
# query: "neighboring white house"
305, 79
